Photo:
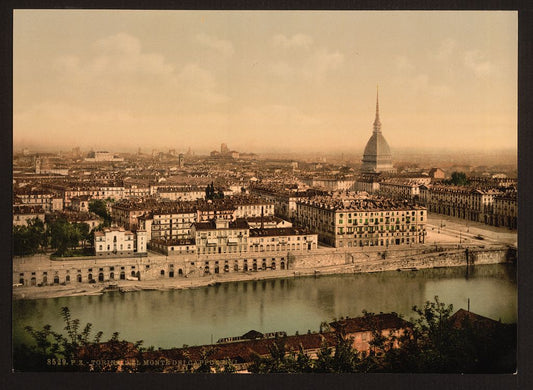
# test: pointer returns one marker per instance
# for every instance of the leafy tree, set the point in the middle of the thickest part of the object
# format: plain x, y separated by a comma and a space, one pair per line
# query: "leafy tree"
64, 236
84, 232
459, 179
29, 239
99, 207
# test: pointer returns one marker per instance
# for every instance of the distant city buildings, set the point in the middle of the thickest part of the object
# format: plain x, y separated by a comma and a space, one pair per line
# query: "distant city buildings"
235, 212
103, 156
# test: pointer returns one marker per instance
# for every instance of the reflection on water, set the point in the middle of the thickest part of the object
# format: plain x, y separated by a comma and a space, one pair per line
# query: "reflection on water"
177, 317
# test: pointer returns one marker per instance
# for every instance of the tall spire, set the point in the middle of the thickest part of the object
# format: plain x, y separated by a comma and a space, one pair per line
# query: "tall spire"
377, 123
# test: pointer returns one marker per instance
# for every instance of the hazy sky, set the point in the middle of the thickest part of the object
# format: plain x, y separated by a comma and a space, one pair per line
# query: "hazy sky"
264, 81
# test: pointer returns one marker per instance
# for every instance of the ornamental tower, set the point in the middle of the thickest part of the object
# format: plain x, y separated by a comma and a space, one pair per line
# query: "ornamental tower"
377, 156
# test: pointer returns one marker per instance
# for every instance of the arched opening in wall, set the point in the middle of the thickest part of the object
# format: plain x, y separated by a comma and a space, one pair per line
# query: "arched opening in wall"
133, 273
236, 266
45, 279
67, 279
180, 272
216, 269
206, 269
254, 267
122, 275
162, 272
56, 279
33, 281
226, 268
170, 274
112, 276
90, 277
21, 281
273, 266
138, 274
308, 246
282, 265
78, 278
101, 277
264, 265
245, 267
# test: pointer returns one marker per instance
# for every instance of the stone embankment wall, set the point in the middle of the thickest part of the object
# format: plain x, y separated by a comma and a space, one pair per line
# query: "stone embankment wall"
374, 261
42, 270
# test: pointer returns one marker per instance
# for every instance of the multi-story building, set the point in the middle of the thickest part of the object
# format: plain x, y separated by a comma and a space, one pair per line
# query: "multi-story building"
48, 200
126, 212
281, 240
181, 193
401, 188
172, 222
117, 241
505, 210
284, 200
363, 222
464, 202
24, 213
80, 203
103, 156
221, 236
368, 183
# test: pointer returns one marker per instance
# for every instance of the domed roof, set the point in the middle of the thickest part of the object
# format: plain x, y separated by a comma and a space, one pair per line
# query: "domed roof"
377, 156
376, 147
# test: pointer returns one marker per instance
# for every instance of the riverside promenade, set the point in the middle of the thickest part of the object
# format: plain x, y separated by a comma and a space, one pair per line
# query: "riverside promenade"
449, 242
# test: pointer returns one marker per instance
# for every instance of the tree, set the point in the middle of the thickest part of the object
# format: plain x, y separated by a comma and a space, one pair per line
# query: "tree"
459, 179
84, 232
64, 236
99, 207
29, 239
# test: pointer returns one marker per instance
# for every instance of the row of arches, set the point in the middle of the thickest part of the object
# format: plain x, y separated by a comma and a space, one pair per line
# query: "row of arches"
255, 265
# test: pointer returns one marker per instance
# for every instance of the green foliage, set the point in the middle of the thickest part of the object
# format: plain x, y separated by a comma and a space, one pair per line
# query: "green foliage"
431, 345
99, 207
458, 179
211, 193
52, 351
65, 236
30, 239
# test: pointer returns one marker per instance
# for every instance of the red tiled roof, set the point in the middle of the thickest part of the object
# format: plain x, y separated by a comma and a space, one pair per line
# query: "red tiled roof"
379, 321
462, 316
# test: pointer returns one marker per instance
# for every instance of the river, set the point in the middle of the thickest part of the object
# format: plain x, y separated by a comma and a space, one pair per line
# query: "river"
198, 316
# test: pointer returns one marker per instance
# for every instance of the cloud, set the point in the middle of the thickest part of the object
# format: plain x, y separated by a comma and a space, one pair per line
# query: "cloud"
321, 63
222, 46
117, 55
119, 44
297, 40
445, 50
199, 82
119, 71
477, 63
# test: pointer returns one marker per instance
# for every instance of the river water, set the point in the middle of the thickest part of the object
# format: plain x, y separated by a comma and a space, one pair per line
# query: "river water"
198, 316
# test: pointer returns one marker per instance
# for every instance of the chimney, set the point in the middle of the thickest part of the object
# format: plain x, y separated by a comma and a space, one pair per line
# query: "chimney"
262, 214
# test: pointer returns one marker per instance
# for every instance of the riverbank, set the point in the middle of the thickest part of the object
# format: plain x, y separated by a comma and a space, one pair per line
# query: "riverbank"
439, 259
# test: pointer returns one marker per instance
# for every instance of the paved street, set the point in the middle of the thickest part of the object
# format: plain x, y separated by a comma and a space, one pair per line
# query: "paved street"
444, 229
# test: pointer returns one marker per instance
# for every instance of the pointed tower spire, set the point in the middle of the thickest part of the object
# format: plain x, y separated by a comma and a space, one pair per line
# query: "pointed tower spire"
377, 123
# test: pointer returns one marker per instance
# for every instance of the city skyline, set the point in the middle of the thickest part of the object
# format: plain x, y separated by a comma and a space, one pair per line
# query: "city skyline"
264, 81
